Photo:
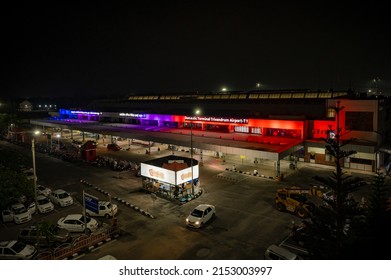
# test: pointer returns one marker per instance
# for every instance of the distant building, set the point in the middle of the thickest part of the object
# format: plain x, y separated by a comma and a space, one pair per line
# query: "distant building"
37, 105
255, 125
26, 106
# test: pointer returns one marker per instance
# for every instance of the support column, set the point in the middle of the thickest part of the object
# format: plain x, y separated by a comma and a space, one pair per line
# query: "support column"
278, 173
377, 161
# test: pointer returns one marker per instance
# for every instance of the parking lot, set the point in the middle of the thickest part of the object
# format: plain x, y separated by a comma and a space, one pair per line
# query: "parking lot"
245, 225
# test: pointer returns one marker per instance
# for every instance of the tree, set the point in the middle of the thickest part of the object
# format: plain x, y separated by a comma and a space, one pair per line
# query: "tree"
12, 186
329, 235
377, 227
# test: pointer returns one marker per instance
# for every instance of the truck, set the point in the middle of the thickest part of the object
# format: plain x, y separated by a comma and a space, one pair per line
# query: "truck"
299, 201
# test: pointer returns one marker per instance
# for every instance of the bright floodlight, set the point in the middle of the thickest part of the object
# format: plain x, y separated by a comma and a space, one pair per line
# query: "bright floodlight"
36, 132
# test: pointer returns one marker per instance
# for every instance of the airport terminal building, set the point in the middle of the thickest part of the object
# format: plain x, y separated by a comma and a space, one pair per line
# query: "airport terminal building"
252, 126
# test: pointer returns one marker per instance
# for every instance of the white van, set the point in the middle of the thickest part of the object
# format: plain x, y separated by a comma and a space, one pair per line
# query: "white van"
274, 252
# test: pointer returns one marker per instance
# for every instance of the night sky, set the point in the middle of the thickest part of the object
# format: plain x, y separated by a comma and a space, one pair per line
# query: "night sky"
67, 48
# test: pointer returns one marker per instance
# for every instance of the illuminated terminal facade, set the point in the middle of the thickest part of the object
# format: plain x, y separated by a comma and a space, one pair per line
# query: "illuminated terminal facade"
262, 125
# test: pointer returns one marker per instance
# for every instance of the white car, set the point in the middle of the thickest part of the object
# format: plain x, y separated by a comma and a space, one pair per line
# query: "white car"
61, 197
44, 204
29, 173
201, 215
106, 209
76, 223
16, 250
43, 190
19, 213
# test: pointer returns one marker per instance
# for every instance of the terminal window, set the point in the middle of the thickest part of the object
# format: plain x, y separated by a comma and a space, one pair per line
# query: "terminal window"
361, 121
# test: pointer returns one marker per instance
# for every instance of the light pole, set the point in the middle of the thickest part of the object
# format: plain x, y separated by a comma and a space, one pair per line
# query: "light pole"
58, 141
34, 168
197, 112
191, 157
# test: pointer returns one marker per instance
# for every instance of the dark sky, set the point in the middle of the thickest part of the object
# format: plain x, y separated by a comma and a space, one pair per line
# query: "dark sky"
66, 48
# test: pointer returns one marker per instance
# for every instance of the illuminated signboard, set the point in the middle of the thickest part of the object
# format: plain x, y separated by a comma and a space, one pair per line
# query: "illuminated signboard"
184, 175
158, 173
168, 176
132, 115
216, 119
85, 113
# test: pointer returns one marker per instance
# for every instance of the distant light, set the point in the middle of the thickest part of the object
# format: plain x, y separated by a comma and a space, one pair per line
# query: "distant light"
258, 85
224, 89
197, 111
36, 132
39, 106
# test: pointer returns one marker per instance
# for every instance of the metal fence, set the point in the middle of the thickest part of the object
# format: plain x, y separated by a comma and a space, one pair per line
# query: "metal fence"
81, 244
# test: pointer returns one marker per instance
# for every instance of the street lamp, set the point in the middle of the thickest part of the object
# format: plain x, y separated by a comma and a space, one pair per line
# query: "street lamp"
58, 141
197, 112
34, 168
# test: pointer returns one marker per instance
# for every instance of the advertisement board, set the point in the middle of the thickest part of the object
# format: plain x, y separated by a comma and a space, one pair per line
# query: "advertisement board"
91, 203
160, 174
184, 175
168, 176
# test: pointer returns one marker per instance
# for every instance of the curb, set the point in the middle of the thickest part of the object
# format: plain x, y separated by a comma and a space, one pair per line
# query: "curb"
89, 249
123, 201
250, 174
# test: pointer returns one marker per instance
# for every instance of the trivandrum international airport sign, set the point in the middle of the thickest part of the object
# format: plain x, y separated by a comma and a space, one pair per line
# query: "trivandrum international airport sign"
216, 119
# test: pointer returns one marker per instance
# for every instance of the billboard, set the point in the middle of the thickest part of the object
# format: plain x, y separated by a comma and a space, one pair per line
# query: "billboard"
91, 203
158, 173
169, 176
184, 175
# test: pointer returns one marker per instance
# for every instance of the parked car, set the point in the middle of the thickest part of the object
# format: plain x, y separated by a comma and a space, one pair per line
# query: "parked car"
53, 236
44, 204
113, 147
77, 144
19, 213
106, 209
107, 257
43, 190
201, 215
29, 173
61, 197
76, 223
16, 250
274, 252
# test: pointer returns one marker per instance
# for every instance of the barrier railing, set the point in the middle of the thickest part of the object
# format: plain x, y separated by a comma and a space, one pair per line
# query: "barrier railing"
82, 243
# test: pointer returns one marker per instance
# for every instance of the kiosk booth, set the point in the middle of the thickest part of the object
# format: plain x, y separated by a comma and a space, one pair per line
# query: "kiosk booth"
171, 177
